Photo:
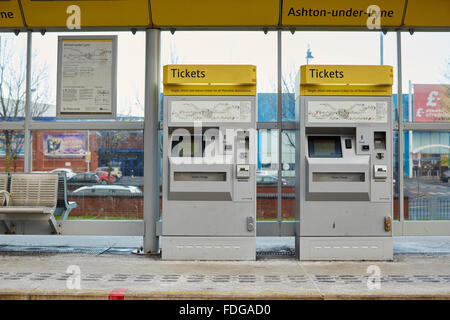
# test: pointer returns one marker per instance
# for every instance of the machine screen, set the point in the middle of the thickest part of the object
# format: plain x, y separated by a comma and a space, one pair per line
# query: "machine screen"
187, 147
324, 147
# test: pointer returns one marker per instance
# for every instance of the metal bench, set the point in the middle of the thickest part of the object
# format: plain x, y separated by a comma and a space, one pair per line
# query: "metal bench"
63, 206
32, 196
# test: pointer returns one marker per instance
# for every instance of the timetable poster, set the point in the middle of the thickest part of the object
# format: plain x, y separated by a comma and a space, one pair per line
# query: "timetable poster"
86, 77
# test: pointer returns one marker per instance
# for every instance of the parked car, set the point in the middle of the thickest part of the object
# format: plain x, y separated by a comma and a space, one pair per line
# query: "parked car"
445, 176
115, 171
104, 177
69, 172
85, 177
269, 180
107, 190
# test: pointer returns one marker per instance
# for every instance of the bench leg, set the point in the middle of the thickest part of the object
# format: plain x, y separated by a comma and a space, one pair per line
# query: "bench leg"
54, 224
9, 227
65, 214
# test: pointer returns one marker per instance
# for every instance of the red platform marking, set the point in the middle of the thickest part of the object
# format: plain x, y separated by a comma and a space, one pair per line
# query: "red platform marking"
117, 294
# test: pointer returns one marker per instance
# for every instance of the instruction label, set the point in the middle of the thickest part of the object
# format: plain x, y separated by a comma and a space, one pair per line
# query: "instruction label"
210, 111
347, 111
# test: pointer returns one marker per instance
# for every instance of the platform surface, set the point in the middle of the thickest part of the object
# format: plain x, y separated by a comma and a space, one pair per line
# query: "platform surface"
36, 267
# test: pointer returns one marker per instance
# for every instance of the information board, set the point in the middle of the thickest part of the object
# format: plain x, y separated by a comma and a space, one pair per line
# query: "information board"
87, 77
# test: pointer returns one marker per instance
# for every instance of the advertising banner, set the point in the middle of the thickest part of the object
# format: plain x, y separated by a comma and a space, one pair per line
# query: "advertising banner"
64, 145
431, 102
17, 143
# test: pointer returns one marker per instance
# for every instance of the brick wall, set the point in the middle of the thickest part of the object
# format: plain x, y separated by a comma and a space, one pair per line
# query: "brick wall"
133, 207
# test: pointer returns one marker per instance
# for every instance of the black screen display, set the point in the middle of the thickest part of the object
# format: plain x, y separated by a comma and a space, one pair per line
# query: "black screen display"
324, 147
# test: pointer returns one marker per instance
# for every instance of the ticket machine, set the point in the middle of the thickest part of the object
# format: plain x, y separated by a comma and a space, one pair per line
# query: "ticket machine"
208, 164
344, 163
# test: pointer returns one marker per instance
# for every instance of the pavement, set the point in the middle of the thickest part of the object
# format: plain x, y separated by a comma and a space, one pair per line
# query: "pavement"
77, 267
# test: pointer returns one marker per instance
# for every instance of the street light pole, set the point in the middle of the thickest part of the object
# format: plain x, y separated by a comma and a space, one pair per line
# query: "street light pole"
381, 49
308, 55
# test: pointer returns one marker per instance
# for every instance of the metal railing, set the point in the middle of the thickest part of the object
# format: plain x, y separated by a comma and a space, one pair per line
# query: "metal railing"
430, 208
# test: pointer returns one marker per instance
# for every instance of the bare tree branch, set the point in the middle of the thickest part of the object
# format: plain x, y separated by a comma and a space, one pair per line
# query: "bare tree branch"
13, 96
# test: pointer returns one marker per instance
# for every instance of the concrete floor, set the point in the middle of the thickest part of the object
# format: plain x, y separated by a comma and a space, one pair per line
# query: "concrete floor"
37, 267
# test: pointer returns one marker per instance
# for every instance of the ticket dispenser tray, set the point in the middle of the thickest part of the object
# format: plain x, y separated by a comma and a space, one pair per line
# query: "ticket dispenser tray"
193, 182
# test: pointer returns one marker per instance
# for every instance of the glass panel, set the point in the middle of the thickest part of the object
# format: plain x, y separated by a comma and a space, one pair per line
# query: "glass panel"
13, 61
395, 176
426, 76
427, 185
228, 47
331, 48
288, 175
104, 169
130, 74
11, 150
267, 175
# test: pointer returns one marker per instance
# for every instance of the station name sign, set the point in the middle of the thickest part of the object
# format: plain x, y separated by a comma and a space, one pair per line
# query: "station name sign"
341, 13
10, 14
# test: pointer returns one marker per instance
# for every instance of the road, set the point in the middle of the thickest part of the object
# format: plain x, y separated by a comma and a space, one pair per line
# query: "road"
426, 187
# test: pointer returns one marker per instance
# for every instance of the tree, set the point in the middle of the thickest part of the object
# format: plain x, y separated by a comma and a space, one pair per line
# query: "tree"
13, 94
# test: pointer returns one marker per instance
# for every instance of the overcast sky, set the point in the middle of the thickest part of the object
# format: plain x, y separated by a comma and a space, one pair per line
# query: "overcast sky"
426, 56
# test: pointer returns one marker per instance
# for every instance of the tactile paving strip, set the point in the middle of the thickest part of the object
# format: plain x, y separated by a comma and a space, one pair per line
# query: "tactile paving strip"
242, 278
282, 252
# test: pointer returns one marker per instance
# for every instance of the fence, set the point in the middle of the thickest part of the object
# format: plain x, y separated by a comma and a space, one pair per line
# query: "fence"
429, 208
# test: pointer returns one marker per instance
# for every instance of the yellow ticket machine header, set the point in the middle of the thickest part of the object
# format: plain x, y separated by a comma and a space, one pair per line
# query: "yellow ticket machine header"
204, 80
345, 80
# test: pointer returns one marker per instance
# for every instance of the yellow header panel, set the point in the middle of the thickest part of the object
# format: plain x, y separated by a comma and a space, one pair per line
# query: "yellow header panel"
215, 12
346, 74
346, 80
209, 80
340, 13
431, 13
209, 74
93, 13
10, 15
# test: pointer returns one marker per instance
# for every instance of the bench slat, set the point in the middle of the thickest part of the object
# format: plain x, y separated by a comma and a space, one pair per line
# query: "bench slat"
3, 186
35, 190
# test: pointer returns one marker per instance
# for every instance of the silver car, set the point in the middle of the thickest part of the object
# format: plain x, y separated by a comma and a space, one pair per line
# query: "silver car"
107, 190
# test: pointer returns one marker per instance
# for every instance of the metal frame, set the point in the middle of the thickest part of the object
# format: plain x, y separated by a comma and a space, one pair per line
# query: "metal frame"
149, 226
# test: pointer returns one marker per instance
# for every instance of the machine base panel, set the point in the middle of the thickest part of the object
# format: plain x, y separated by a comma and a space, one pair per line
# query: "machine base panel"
208, 248
345, 248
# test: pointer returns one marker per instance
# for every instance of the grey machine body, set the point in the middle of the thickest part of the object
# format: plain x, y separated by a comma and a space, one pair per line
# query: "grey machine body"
343, 180
209, 193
